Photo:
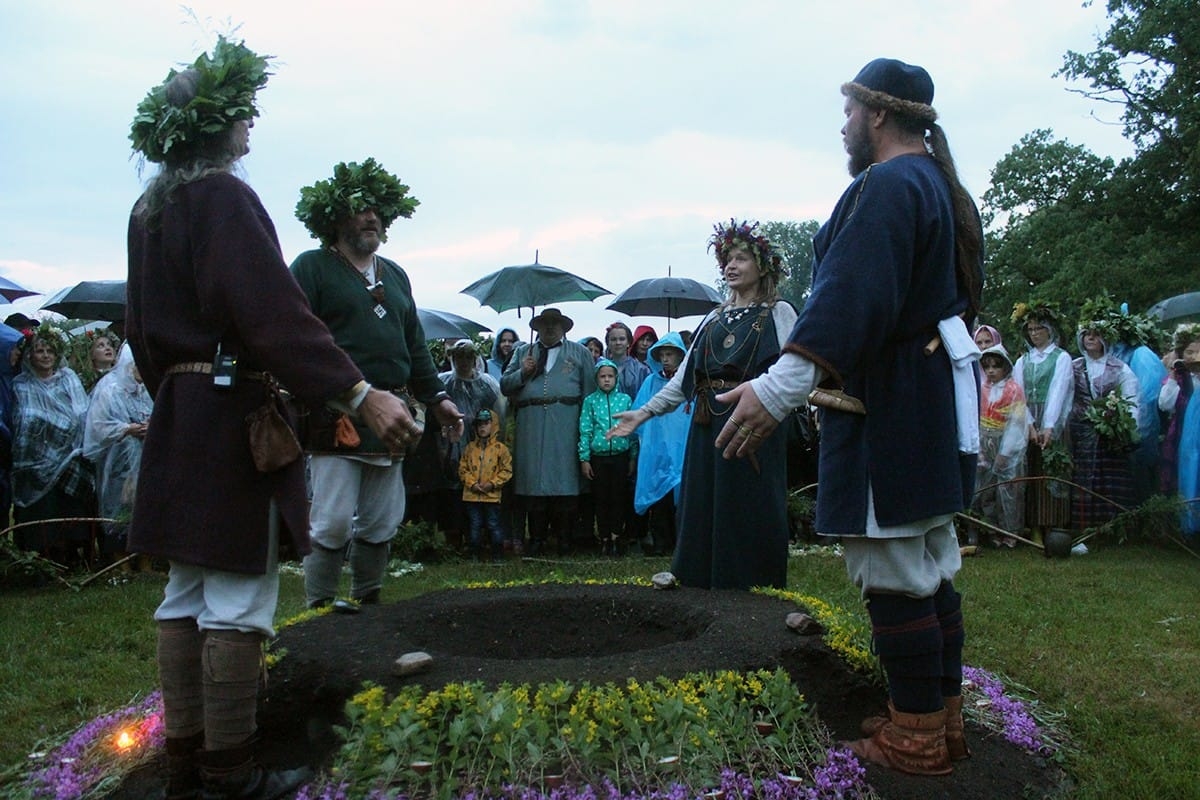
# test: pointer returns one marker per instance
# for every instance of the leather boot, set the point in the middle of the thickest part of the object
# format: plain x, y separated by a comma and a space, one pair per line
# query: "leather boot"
234, 775
912, 743
183, 767
956, 742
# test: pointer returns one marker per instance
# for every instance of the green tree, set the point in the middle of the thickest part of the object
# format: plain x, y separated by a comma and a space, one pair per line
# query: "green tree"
1064, 224
1149, 62
794, 240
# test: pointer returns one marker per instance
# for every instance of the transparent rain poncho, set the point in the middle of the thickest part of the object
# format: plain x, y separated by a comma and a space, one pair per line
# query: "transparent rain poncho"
47, 433
118, 400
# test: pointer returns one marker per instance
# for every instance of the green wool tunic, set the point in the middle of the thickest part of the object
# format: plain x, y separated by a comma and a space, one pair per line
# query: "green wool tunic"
389, 349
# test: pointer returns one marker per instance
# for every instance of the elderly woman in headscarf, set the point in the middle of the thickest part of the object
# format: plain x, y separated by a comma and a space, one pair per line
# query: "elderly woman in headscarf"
51, 479
112, 440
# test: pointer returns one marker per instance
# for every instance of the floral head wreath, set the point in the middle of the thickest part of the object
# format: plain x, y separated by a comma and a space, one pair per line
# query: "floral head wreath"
354, 188
227, 82
1115, 323
736, 234
1185, 334
1034, 311
58, 339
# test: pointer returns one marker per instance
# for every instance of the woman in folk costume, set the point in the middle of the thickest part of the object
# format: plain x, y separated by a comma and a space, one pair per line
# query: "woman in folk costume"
732, 517
1102, 462
1045, 375
1134, 340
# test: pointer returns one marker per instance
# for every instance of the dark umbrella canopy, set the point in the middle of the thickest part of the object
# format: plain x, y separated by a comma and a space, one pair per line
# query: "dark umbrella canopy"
532, 285
666, 297
90, 300
1177, 307
444, 325
11, 291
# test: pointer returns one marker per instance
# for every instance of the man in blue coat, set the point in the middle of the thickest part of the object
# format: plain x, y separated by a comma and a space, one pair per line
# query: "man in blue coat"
896, 270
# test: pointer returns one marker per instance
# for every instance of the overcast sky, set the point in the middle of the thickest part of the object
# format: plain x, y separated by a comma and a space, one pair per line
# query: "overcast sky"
607, 135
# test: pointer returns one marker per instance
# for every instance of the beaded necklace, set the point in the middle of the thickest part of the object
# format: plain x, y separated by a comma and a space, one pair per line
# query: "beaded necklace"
729, 341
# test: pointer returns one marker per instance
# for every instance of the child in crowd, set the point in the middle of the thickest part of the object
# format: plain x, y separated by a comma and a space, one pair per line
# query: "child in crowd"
485, 466
1003, 437
661, 442
607, 463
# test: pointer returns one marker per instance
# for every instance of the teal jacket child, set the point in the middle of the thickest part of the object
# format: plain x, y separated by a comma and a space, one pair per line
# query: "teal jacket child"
596, 418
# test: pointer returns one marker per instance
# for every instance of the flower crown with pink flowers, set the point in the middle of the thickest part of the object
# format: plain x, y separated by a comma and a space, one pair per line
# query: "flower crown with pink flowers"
745, 234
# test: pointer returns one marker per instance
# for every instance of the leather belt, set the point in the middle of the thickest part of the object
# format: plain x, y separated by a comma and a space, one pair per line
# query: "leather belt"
548, 401
206, 368
716, 383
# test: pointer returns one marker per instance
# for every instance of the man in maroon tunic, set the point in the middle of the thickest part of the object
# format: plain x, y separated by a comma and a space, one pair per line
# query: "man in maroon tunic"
207, 286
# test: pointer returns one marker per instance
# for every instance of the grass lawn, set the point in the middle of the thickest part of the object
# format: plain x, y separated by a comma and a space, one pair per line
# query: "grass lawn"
1110, 639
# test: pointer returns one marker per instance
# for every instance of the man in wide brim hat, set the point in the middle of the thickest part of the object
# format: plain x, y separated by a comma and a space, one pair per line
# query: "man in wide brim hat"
547, 380
549, 316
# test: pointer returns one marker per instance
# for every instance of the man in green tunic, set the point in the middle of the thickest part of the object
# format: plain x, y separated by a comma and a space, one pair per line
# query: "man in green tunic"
358, 494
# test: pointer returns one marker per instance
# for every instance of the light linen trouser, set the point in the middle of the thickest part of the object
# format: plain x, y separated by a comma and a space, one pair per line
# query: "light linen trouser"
352, 501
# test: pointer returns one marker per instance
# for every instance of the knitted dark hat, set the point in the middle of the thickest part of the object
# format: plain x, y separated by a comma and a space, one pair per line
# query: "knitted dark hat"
892, 84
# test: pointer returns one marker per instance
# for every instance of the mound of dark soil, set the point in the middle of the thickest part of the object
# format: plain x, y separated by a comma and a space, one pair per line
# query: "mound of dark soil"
594, 633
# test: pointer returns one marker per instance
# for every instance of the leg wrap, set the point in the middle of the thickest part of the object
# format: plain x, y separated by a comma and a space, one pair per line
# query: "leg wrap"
948, 603
368, 562
232, 666
179, 671
322, 568
908, 641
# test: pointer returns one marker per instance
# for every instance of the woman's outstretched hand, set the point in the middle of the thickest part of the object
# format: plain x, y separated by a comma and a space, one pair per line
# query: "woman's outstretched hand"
627, 422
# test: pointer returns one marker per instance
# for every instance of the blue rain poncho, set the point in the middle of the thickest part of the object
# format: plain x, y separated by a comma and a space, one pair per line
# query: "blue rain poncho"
661, 439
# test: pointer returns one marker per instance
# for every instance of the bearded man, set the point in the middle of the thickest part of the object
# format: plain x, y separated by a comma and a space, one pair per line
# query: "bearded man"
358, 496
896, 269
214, 319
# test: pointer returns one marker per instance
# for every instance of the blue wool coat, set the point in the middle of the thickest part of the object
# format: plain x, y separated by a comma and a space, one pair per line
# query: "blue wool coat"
883, 277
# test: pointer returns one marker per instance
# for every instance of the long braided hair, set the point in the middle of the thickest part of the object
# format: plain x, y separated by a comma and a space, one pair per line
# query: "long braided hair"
968, 229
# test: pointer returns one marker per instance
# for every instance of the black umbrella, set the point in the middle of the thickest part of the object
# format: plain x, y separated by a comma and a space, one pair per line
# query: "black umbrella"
11, 291
444, 325
1181, 305
666, 297
531, 285
90, 300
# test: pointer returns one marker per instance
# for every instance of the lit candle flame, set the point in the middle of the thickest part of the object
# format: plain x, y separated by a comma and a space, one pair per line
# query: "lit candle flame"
125, 740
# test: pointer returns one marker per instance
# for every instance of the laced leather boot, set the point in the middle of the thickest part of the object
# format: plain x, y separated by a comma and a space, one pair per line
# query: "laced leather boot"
912, 743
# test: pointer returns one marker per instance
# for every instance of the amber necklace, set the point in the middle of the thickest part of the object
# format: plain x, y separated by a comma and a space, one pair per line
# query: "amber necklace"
728, 320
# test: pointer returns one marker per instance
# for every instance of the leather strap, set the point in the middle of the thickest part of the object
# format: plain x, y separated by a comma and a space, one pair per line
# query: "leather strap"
206, 368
